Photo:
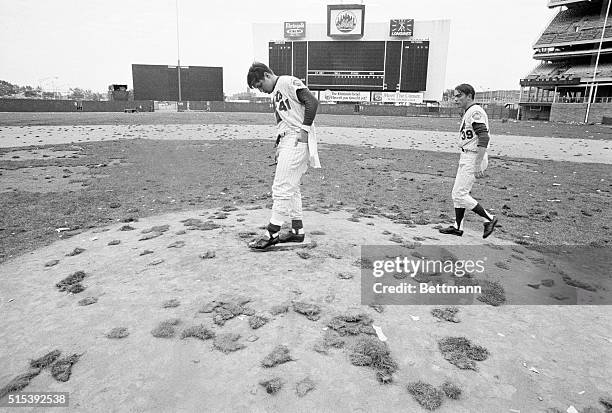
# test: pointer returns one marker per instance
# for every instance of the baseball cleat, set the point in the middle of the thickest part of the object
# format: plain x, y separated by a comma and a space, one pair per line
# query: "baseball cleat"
451, 231
263, 243
291, 237
489, 227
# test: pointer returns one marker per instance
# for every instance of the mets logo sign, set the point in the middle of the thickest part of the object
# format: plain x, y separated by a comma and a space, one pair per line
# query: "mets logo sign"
346, 21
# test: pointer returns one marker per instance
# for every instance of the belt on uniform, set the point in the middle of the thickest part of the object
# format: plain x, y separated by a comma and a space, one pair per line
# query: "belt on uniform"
282, 135
464, 150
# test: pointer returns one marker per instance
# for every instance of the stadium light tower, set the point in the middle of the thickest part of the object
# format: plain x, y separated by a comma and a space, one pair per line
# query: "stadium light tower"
603, 31
178, 53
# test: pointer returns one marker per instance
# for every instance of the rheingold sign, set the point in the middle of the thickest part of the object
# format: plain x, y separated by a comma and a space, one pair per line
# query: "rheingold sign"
295, 30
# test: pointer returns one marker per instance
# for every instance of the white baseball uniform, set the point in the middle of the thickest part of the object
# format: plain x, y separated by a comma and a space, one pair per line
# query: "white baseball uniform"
468, 142
293, 159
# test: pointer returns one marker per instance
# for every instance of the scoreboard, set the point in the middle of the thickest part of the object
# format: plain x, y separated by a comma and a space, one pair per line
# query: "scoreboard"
160, 82
353, 65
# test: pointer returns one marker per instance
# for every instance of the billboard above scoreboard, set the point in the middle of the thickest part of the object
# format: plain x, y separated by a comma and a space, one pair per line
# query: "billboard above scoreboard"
401, 27
295, 30
345, 20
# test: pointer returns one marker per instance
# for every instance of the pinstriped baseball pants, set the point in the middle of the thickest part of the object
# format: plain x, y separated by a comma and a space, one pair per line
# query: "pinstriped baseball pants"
292, 164
465, 179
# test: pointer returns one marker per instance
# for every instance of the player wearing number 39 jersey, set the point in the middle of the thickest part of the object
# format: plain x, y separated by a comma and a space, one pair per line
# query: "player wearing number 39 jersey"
473, 142
295, 109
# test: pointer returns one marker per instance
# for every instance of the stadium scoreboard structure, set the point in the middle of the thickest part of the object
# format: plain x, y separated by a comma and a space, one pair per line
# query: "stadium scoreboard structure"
351, 65
160, 82
348, 59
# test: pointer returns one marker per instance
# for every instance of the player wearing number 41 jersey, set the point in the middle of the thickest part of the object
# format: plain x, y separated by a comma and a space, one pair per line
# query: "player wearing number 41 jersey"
473, 142
295, 109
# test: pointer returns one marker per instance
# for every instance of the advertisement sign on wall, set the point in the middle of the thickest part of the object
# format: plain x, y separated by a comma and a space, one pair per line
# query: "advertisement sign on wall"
401, 27
345, 20
343, 96
295, 30
397, 97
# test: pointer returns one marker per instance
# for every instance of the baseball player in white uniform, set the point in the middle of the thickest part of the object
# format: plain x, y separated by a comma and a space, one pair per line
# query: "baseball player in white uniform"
295, 109
473, 142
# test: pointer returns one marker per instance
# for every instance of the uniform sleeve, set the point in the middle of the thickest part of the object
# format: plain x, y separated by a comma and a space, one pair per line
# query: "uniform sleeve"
294, 85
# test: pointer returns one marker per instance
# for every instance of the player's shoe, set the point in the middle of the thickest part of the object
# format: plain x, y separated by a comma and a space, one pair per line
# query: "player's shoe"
264, 243
451, 231
489, 227
291, 237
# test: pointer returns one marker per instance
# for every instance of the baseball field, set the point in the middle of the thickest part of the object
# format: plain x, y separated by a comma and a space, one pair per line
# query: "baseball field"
123, 246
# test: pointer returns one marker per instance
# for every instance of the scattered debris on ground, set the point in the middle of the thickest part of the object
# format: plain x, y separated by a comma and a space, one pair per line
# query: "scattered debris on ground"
208, 255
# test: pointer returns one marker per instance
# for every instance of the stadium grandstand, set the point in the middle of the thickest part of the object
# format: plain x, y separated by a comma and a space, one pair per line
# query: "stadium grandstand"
573, 81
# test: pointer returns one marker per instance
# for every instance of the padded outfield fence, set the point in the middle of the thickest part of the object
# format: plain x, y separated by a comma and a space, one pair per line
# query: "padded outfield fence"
39, 105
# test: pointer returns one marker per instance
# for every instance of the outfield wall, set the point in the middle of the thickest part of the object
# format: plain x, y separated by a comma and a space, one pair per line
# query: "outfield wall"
40, 105
576, 112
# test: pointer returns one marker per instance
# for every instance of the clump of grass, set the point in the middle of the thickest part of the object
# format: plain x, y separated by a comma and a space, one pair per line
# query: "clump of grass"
311, 311
118, 332
279, 355
88, 301
62, 368
72, 283
257, 321
228, 342
369, 351
461, 352
46, 360
272, 386
200, 332
352, 324
452, 391
448, 314
304, 386
279, 309
426, 395
492, 293
18, 383
165, 329
171, 303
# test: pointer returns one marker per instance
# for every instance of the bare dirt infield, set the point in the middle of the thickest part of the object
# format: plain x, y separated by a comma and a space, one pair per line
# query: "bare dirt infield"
58, 197
522, 128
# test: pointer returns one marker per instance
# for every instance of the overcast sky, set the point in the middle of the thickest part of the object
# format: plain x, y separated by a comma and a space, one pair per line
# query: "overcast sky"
93, 43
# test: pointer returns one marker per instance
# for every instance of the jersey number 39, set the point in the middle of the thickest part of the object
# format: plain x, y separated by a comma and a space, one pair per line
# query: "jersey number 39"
466, 134
282, 104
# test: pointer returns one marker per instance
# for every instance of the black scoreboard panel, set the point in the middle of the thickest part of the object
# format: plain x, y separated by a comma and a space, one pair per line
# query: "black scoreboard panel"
281, 58
300, 56
353, 65
160, 82
392, 66
415, 56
